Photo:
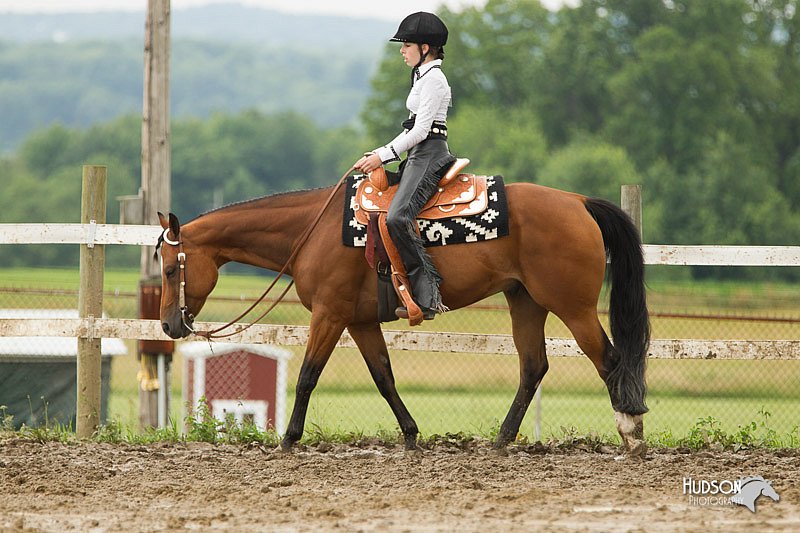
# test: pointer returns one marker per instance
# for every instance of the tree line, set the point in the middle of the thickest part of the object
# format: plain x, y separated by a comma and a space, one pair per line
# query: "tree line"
694, 100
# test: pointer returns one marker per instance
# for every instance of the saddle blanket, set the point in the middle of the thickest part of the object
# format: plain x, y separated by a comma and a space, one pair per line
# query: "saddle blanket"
490, 224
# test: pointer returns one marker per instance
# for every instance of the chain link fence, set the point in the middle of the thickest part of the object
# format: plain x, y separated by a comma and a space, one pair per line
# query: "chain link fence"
471, 393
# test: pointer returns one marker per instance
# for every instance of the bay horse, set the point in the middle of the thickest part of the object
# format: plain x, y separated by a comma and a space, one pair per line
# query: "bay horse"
553, 260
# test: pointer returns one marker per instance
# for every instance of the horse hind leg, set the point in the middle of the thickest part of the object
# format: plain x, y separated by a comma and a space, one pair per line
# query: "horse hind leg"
527, 321
370, 342
594, 342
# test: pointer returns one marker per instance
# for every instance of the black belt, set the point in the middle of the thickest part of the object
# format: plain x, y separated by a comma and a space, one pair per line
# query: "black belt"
438, 129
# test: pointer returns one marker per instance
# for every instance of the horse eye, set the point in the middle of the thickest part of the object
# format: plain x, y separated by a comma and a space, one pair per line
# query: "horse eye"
170, 271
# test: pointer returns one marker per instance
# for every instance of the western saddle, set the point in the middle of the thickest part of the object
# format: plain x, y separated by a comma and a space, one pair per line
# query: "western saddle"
457, 195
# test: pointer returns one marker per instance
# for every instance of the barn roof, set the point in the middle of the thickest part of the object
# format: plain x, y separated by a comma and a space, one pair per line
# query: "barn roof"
205, 349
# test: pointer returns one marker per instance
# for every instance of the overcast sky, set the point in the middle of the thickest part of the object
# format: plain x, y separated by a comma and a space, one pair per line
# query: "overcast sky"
390, 10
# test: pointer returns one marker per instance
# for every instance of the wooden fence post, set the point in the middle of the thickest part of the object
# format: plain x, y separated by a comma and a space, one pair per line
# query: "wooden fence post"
631, 203
90, 301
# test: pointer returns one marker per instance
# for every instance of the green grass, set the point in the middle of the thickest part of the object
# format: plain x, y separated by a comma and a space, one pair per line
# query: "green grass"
481, 413
707, 432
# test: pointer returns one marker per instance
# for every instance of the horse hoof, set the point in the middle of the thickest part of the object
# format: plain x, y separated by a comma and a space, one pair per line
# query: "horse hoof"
284, 447
499, 449
414, 453
638, 450
631, 429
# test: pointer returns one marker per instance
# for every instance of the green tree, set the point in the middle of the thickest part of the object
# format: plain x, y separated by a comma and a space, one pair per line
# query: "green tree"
499, 141
775, 25
729, 199
570, 89
495, 52
683, 87
590, 167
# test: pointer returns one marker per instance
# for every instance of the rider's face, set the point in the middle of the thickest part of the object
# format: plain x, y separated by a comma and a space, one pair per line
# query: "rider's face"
411, 53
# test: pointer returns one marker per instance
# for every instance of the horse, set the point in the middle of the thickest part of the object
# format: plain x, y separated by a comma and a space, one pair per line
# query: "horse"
552, 261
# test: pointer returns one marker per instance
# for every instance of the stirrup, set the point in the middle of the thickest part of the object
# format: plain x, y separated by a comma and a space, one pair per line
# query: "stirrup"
427, 314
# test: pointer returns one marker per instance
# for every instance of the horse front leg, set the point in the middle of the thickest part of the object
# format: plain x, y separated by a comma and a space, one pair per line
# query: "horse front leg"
370, 342
325, 331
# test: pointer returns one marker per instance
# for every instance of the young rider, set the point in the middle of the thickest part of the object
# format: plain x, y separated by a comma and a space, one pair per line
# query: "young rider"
424, 136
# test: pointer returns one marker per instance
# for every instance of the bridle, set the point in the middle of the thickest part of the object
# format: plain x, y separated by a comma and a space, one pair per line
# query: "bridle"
187, 318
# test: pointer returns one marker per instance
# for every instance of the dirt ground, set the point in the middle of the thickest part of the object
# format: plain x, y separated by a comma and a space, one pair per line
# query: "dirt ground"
371, 487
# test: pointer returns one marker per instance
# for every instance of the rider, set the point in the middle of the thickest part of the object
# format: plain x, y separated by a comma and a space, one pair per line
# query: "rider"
424, 136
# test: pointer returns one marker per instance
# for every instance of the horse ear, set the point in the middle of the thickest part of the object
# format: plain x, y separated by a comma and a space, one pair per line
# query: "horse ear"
174, 226
163, 220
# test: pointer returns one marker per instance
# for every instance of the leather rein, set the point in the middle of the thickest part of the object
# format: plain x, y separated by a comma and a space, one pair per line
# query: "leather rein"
188, 318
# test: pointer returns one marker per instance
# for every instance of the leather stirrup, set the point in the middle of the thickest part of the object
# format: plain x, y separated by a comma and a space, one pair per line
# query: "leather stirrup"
399, 276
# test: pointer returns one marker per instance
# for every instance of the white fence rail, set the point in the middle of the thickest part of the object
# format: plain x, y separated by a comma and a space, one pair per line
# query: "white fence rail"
424, 341
89, 234
654, 254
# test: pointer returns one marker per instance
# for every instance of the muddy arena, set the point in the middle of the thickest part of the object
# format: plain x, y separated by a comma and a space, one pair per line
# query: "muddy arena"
374, 487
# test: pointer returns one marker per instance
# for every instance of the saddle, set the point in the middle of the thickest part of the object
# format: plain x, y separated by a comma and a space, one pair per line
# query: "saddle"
457, 195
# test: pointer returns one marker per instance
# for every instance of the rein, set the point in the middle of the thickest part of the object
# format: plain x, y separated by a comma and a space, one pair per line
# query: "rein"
212, 334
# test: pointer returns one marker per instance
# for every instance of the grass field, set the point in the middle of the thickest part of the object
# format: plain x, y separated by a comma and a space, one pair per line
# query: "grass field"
471, 393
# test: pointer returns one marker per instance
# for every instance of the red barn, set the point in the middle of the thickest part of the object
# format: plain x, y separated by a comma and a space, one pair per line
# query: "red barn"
246, 381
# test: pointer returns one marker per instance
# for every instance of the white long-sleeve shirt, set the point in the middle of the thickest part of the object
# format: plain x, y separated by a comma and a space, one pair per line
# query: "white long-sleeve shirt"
429, 99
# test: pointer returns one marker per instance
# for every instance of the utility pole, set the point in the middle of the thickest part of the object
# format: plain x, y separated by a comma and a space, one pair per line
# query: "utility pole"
155, 356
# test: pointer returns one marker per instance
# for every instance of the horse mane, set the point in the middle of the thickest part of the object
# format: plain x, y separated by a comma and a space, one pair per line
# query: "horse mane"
241, 203
245, 203
745, 480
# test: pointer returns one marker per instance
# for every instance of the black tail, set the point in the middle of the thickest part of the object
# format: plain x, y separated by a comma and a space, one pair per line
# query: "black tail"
630, 323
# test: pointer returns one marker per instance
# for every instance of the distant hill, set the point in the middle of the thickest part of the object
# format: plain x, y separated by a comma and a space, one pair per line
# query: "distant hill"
223, 22
80, 69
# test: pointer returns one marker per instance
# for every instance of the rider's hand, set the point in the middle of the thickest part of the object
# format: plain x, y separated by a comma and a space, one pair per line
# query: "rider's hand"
368, 163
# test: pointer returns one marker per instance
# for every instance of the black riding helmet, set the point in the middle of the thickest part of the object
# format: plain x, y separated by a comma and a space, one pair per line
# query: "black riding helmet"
422, 28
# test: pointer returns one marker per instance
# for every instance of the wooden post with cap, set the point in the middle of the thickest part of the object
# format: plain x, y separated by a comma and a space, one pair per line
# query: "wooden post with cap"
90, 302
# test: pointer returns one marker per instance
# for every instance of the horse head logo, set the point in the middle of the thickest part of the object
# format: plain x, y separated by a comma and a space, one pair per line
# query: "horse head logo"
752, 488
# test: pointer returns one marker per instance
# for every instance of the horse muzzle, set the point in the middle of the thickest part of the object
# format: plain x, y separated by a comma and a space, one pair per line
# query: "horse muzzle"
178, 326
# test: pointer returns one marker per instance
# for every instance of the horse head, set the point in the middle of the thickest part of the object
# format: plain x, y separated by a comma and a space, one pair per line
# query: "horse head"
752, 488
188, 275
769, 491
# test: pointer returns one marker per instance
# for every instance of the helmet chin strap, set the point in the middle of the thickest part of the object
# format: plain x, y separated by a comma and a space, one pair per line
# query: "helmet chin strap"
422, 56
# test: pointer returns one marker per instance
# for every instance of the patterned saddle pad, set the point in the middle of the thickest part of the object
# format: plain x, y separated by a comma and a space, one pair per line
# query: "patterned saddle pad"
491, 223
